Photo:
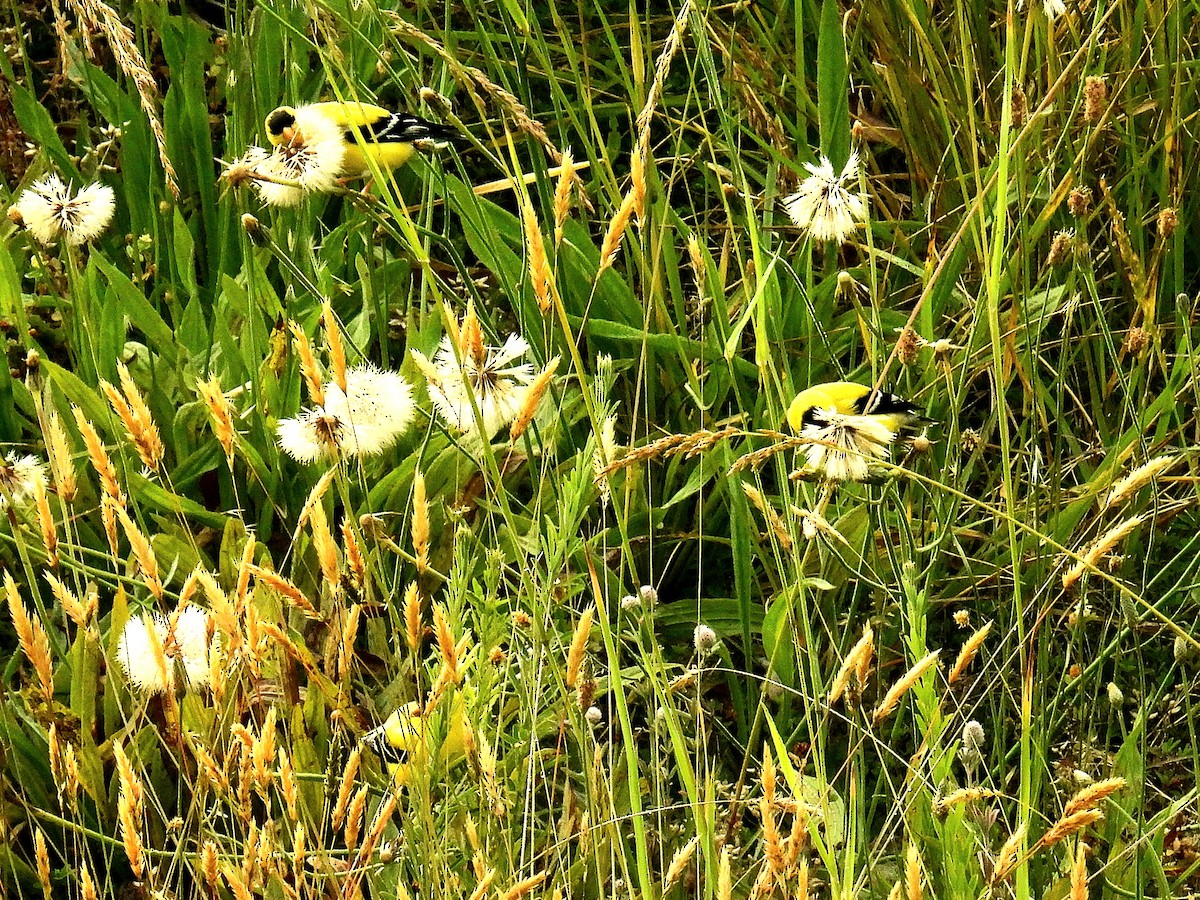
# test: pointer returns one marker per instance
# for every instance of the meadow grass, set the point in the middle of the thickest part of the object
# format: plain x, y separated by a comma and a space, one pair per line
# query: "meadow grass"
651, 660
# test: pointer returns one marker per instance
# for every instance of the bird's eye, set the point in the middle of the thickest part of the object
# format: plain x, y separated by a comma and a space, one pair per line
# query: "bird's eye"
279, 120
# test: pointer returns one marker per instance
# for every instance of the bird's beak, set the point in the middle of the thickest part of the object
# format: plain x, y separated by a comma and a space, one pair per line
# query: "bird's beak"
287, 136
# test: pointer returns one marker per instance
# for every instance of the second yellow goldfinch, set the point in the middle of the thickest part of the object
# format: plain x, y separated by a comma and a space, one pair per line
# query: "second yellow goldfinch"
366, 132
411, 737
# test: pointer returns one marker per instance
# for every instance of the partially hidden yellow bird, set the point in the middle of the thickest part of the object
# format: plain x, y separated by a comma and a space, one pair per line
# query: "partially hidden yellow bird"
849, 398
366, 132
412, 736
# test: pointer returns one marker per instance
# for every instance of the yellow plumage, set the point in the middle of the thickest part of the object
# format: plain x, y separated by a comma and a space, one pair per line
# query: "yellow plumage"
412, 735
367, 132
850, 398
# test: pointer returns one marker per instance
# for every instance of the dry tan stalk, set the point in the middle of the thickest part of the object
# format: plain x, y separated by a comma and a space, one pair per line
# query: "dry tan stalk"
912, 873
770, 777
346, 787
263, 750
699, 266
42, 855
1090, 796
1135, 480
562, 194
420, 522
46, 521
333, 337
141, 427
349, 636
772, 843
221, 413
287, 783
483, 885
724, 875
943, 805
142, 552
616, 230
445, 639
209, 864
352, 552
578, 649
355, 816
1006, 859
1079, 873
382, 817
325, 546
637, 178
533, 397
70, 769
897, 891
130, 838
211, 770
769, 513
797, 840
412, 617
471, 78
1069, 825
523, 887
99, 457
764, 884
96, 16
237, 885
250, 854
32, 637
1099, 548
245, 567
314, 497
497, 802
108, 517
679, 862
904, 685
299, 845
308, 364
967, 653
540, 276
62, 465
292, 594
54, 753
87, 886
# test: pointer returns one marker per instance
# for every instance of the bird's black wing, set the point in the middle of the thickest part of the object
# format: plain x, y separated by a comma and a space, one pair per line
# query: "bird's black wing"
885, 403
402, 128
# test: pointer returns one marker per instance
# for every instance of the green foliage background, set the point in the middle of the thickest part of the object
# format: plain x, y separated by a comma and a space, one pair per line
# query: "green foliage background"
1049, 382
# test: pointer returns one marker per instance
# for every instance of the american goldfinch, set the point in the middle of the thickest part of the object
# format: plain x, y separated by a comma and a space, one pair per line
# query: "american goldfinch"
366, 131
849, 398
404, 740
848, 428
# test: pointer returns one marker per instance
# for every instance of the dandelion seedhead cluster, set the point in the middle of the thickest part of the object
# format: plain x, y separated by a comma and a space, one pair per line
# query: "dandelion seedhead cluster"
826, 206
49, 210
843, 447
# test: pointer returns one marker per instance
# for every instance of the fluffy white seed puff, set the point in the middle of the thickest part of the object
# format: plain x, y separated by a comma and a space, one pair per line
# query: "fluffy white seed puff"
364, 420
824, 206
19, 479
843, 446
310, 164
488, 374
188, 644
49, 211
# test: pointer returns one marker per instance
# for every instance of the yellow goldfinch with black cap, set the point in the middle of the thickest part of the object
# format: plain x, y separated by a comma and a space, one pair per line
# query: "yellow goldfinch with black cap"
367, 132
849, 426
412, 736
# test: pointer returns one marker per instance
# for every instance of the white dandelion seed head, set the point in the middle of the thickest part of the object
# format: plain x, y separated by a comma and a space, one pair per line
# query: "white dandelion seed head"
136, 653
364, 420
1053, 8
498, 386
49, 211
824, 206
842, 447
20, 478
188, 645
193, 645
704, 639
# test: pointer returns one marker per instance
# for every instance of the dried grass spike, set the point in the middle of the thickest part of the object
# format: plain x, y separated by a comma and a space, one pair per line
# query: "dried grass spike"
904, 685
968, 652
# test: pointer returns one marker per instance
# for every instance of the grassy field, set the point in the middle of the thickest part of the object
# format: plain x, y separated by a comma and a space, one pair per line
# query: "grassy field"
639, 647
